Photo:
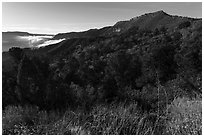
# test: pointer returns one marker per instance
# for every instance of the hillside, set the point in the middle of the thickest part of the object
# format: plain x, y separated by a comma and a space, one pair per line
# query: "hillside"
149, 21
140, 76
146, 22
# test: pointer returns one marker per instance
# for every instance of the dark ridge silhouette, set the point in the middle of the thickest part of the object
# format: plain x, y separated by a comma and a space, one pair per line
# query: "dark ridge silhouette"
149, 21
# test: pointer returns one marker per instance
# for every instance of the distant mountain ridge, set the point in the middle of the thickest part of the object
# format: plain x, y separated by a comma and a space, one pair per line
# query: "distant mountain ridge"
149, 21
88, 33
20, 33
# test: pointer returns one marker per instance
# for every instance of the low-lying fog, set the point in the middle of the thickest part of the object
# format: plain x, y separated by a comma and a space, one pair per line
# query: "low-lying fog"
27, 41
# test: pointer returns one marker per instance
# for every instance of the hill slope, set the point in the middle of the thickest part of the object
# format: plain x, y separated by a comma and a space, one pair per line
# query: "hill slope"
131, 62
149, 21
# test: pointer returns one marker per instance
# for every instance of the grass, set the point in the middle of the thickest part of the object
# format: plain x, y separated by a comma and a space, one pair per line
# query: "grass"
183, 117
26, 120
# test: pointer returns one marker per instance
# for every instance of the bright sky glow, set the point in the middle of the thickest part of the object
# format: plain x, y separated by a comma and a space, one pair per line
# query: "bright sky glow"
59, 17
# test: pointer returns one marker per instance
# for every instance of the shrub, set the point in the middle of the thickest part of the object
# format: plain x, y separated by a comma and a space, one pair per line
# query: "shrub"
184, 24
16, 119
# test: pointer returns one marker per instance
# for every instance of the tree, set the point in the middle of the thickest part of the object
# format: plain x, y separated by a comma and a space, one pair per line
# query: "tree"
17, 53
125, 68
164, 63
156, 31
8, 90
184, 24
30, 82
163, 30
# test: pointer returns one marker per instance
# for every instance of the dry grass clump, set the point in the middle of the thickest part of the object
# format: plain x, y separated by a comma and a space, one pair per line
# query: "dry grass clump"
115, 119
185, 117
106, 120
26, 120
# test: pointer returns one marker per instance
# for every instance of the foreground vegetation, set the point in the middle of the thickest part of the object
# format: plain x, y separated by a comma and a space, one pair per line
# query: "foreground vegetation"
183, 117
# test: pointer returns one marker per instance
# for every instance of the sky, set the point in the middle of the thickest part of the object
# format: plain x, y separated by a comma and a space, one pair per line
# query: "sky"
61, 17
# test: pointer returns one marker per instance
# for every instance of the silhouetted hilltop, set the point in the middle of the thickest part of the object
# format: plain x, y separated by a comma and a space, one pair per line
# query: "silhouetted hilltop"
149, 21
